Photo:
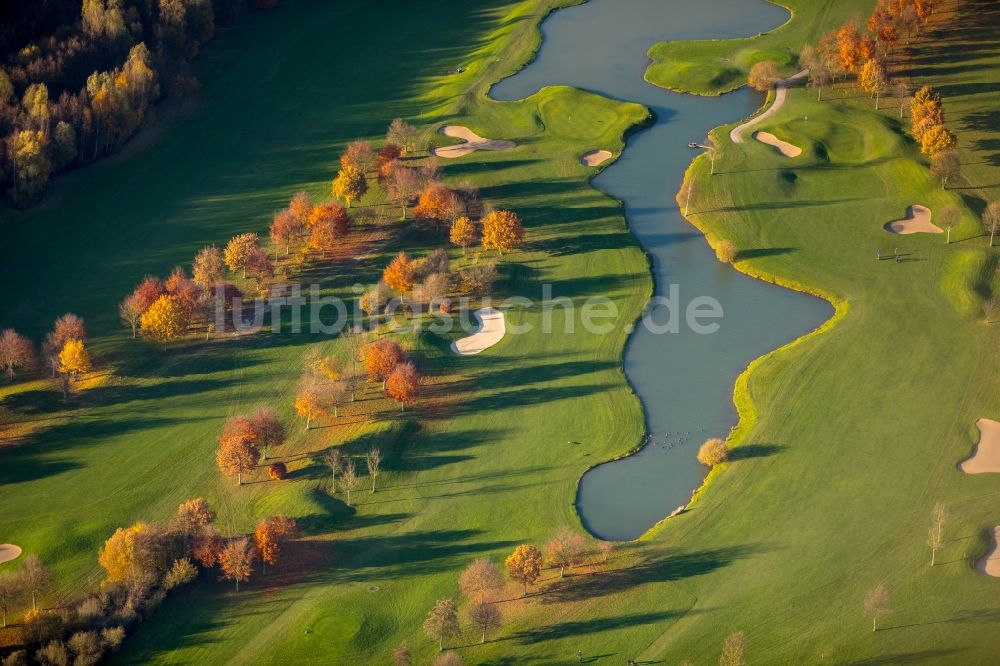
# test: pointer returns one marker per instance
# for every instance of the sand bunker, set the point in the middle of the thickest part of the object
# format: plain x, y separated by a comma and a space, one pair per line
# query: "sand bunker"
736, 134
917, 220
990, 564
491, 331
986, 456
783, 147
8, 552
596, 157
473, 142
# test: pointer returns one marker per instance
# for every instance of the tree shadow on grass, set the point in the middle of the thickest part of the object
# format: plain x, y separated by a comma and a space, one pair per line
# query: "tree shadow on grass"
760, 252
904, 658
659, 569
588, 627
748, 451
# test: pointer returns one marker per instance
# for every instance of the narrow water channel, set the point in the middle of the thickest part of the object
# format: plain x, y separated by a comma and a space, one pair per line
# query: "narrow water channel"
685, 380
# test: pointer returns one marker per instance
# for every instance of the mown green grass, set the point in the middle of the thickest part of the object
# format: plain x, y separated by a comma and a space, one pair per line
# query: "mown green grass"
487, 468
716, 66
863, 425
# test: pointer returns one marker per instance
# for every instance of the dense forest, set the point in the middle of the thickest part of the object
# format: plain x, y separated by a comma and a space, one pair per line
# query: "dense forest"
76, 80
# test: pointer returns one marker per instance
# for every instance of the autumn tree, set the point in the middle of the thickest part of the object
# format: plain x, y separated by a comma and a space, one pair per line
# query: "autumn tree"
936, 139
819, 73
286, 230
236, 560
332, 459
948, 217
462, 233
403, 135
946, 165
67, 327
399, 274
849, 48
373, 300
74, 360
127, 556
181, 572
402, 184
165, 320
301, 206
713, 452
485, 616
238, 453
763, 75
332, 216
935, 537
901, 90
31, 168
448, 658
316, 397
438, 203
16, 352
873, 78
991, 221
373, 459
478, 280
502, 231
268, 429
442, 621
239, 249
877, 603
206, 546
381, 358
403, 384
208, 267
193, 516
565, 549
270, 534
926, 111
481, 578
350, 184
349, 478
359, 154
139, 301
734, 650
524, 565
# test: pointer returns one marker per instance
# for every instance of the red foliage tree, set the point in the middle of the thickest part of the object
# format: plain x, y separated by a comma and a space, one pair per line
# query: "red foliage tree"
381, 358
403, 384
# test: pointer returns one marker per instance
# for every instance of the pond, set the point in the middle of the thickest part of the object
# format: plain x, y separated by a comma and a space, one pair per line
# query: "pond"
685, 379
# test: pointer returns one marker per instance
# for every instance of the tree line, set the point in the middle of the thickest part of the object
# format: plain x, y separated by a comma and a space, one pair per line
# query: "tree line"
142, 563
79, 93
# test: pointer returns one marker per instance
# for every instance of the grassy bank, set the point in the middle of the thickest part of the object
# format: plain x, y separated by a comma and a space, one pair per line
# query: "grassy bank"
861, 427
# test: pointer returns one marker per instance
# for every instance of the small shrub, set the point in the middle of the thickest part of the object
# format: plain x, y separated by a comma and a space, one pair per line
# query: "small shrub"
41, 626
277, 471
181, 573
726, 252
112, 638
19, 658
713, 452
53, 654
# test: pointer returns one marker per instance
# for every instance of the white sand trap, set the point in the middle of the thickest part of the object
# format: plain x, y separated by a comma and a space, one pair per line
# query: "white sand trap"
8, 552
596, 157
491, 331
473, 142
990, 564
986, 457
917, 221
783, 147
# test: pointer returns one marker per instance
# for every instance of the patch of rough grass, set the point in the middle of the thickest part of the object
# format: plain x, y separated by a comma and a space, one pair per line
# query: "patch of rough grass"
966, 283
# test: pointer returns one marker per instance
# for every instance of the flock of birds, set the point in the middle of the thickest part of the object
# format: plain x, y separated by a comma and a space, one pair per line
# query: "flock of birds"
671, 440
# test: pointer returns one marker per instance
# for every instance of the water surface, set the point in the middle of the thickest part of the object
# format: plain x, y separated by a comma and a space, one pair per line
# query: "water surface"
684, 380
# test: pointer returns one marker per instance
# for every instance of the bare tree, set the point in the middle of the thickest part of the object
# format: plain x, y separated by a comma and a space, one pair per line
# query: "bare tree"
35, 578
374, 461
945, 165
485, 616
939, 515
877, 603
734, 650
901, 90
332, 460
991, 219
11, 587
442, 621
949, 216
349, 478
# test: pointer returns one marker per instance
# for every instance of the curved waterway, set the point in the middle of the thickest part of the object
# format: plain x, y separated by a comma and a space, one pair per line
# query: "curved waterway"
685, 380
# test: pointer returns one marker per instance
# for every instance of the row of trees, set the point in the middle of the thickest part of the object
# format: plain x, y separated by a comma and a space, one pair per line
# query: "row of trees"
64, 351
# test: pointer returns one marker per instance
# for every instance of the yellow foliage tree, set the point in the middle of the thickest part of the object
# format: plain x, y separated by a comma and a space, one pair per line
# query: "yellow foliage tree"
524, 565
873, 78
165, 320
502, 231
713, 452
935, 139
463, 233
350, 184
74, 359
122, 554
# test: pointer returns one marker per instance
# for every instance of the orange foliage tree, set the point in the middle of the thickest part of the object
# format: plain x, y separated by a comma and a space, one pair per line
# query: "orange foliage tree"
135, 304
381, 358
286, 230
439, 203
502, 231
399, 274
403, 384
236, 560
269, 536
360, 155
524, 565
300, 206
849, 48
238, 453
267, 428
193, 516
